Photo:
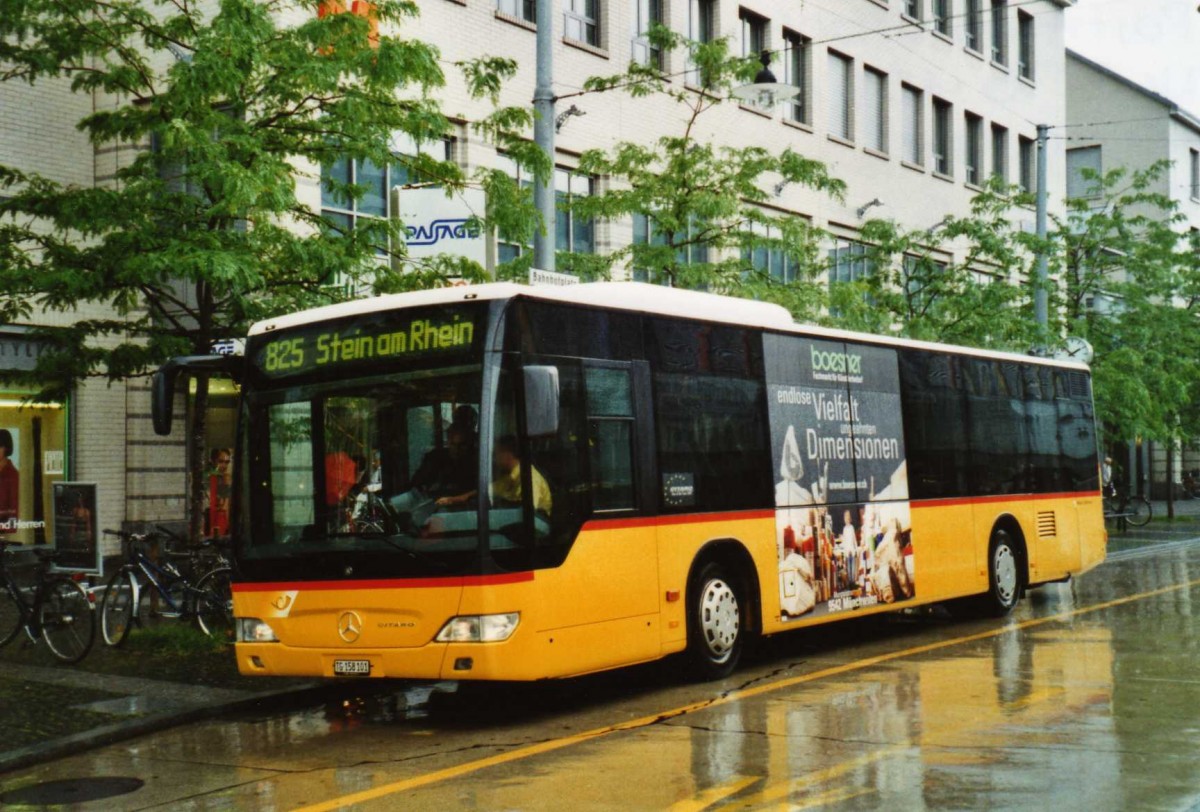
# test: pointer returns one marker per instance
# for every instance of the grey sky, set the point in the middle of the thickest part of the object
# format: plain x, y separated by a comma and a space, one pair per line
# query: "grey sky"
1155, 43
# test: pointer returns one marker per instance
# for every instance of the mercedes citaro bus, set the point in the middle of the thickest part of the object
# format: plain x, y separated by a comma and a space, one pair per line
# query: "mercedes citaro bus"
506, 482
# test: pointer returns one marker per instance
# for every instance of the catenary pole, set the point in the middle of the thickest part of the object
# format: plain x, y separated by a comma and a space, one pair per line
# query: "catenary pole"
543, 136
1041, 308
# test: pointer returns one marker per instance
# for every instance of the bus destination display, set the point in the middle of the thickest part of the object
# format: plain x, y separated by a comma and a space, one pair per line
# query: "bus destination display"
387, 337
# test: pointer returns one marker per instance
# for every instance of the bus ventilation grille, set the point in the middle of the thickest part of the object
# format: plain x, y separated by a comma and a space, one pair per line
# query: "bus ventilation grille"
1047, 525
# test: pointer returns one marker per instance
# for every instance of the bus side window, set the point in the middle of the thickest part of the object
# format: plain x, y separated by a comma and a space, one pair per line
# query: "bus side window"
610, 438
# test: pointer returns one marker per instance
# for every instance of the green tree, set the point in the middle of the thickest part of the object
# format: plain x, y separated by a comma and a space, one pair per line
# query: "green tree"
202, 233
1132, 289
695, 204
951, 283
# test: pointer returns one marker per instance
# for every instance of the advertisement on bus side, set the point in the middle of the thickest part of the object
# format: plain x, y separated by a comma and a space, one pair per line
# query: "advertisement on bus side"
842, 515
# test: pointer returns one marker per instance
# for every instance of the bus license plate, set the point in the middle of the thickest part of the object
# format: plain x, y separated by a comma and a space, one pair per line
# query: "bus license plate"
345, 668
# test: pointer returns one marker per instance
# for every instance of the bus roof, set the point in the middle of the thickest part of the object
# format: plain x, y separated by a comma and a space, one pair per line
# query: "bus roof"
632, 296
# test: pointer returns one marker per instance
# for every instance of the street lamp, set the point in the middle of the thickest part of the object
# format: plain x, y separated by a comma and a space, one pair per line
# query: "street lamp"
766, 91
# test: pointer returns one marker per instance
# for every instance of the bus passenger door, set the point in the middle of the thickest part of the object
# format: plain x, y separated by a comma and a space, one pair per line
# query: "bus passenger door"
605, 604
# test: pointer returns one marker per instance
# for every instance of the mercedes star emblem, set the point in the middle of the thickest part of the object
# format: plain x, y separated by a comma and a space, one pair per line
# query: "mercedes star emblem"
349, 626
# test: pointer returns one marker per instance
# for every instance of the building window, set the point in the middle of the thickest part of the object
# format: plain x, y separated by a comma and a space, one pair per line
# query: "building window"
581, 21
375, 203
771, 260
941, 17
1000, 153
36, 441
875, 118
1195, 174
1028, 158
702, 27
841, 96
912, 8
645, 14
920, 274
848, 262
572, 233
943, 133
1025, 43
797, 70
1078, 162
914, 133
507, 248
974, 25
522, 9
1000, 32
645, 232
974, 152
754, 33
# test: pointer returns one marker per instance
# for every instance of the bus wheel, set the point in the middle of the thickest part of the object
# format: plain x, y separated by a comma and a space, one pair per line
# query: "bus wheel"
1004, 575
716, 630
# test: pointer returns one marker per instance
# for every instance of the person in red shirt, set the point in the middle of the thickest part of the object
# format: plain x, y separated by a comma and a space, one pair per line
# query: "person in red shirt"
10, 485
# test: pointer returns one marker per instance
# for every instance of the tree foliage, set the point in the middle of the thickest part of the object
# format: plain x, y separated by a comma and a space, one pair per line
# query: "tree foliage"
952, 283
1132, 289
699, 203
201, 232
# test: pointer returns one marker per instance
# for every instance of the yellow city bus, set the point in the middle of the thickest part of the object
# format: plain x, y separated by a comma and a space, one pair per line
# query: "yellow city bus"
506, 482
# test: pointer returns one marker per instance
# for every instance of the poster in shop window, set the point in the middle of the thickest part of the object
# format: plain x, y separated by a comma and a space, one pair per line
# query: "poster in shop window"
842, 515
76, 535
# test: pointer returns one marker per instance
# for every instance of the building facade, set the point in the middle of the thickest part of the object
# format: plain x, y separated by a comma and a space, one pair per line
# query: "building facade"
101, 434
913, 103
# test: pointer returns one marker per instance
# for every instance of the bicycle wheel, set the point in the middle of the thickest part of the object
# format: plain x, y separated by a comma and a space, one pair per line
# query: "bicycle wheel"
67, 619
117, 607
1139, 511
214, 604
154, 610
10, 617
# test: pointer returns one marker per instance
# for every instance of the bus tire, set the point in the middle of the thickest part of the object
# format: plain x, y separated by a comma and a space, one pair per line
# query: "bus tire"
716, 620
1005, 576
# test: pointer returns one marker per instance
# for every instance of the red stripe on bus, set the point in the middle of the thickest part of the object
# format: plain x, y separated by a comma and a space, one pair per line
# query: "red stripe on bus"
667, 521
389, 583
987, 500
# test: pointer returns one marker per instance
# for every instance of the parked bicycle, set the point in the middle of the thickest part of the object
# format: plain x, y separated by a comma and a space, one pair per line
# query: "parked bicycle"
1136, 510
149, 586
55, 608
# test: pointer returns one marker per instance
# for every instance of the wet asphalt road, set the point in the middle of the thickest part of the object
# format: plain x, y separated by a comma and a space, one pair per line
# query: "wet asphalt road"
1087, 697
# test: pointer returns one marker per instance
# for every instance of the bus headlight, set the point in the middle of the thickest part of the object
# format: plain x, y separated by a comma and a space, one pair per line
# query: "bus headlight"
253, 630
479, 628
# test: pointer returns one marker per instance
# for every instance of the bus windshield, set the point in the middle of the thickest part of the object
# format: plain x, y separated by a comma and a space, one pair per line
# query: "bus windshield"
378, 473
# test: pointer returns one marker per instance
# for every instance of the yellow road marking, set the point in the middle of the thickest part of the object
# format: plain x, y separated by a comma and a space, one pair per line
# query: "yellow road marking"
713, 795
784, 789
734, 696
833, 796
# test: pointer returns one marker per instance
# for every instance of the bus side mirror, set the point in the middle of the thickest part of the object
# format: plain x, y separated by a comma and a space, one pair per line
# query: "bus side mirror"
541, 401
162, 387
162, 397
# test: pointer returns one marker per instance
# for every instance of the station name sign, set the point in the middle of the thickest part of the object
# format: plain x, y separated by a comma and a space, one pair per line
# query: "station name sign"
381, 338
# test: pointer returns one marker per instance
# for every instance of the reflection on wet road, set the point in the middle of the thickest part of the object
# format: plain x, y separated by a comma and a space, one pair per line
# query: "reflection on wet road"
1083, 699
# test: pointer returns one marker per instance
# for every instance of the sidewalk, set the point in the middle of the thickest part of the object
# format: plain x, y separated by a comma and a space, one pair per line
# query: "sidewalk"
52, 710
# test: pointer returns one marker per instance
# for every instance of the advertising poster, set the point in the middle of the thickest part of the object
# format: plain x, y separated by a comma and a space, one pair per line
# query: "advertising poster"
76, 535
843, 522
10, 480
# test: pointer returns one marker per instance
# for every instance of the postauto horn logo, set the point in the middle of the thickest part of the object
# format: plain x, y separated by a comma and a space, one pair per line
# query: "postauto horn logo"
456, 229
838, 362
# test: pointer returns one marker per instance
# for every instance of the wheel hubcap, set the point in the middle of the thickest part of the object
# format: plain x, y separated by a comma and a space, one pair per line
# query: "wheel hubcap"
1005, 565
720, 618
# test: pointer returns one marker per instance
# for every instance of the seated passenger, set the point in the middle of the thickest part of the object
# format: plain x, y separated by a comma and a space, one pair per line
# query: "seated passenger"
506, 487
